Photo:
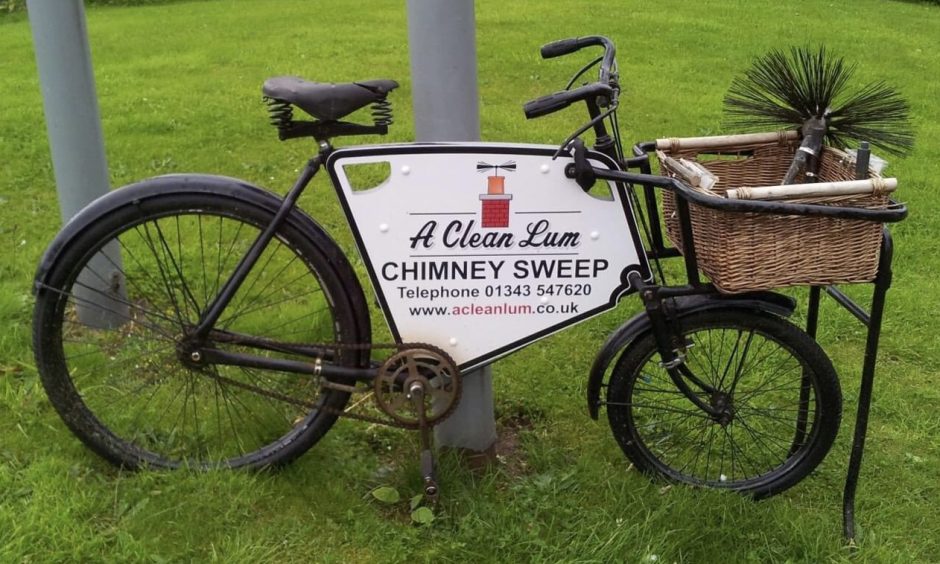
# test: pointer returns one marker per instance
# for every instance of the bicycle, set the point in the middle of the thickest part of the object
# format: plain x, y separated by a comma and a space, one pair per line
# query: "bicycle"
200, 321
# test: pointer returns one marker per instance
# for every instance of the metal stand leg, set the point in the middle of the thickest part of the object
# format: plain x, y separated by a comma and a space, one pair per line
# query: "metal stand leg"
882, 283
871, 319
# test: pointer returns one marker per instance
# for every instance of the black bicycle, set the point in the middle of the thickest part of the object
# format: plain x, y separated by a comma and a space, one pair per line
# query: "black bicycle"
200, 321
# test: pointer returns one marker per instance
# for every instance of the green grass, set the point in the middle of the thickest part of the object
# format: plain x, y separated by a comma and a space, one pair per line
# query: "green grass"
179, 89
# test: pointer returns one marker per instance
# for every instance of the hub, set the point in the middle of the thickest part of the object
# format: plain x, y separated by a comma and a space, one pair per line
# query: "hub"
723, 403
189, 353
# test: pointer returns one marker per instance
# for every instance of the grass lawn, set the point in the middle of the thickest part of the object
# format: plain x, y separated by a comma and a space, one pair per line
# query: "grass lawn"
179, 90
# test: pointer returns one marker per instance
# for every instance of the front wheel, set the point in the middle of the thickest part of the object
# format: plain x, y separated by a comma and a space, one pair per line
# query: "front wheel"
777, 391
115, 312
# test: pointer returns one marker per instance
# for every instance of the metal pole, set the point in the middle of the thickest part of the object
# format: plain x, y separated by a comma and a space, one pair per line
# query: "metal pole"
442, 45
63, 58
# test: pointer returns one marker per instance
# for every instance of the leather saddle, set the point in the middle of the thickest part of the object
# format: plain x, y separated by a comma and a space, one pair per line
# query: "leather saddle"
327, 101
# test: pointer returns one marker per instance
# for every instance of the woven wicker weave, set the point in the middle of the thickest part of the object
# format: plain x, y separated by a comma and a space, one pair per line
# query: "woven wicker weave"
749, 251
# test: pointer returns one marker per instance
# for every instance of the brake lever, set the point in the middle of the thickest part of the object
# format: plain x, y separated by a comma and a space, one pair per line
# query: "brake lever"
581, 170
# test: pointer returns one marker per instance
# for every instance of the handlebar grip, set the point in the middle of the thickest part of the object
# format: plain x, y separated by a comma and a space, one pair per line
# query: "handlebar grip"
548, 104
572, 44
554, 102
560, 47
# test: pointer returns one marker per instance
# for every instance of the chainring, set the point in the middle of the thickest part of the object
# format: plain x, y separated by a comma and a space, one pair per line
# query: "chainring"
423, 365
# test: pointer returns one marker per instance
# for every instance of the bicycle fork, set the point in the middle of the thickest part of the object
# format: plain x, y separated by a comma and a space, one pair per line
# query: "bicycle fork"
672, 347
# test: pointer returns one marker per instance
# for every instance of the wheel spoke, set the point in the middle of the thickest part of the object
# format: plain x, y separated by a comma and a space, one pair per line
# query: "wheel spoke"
742, 360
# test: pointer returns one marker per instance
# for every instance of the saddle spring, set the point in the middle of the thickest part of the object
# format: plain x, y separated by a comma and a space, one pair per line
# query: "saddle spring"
281, 113
382, 112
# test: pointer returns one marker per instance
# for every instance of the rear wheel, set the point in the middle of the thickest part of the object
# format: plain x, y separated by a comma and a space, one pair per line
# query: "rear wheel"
777, 389
113, 319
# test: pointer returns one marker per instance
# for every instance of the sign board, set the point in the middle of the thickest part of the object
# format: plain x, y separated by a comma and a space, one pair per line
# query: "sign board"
481, 249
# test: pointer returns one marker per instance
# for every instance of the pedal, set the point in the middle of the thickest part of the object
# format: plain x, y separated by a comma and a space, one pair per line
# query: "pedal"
428, 475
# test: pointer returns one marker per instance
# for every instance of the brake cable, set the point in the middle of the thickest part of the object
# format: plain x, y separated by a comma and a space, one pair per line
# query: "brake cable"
583, 70
583, 128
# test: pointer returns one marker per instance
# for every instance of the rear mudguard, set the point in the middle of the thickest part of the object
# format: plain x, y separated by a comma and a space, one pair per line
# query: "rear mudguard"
680, 307
242, 194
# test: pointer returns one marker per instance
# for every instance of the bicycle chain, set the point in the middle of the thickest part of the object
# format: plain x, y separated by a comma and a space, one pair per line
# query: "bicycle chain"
388, 421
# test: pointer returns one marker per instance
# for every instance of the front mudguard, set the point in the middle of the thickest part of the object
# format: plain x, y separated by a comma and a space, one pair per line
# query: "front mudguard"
680, 307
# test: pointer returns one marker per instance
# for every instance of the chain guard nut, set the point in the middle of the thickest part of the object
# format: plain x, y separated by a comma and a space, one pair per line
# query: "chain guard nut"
420, 365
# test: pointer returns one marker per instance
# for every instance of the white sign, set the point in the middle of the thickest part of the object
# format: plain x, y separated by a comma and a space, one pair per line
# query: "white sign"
482, 249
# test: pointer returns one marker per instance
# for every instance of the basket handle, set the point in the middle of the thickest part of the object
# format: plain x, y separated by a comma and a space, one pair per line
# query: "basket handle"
720, 141
817, 190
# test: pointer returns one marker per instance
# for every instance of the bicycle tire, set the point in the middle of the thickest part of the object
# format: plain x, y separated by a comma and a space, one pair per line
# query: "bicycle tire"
758, 361
107, 334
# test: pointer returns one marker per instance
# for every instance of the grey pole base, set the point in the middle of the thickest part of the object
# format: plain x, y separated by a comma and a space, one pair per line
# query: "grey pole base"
472, 426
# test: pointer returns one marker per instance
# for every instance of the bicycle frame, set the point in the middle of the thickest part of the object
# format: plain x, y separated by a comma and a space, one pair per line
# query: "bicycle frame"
635, 276
322, 357
611, 215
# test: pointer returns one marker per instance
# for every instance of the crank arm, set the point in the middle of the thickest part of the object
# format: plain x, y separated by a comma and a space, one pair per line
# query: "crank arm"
416, 394
428, 475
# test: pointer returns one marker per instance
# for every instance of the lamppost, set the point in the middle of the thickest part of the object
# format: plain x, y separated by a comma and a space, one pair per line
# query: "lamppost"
442, 45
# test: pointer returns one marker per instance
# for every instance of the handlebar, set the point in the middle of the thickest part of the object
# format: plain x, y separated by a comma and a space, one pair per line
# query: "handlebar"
605, 87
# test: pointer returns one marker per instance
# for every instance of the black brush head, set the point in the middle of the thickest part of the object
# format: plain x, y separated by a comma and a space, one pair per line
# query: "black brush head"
785, 89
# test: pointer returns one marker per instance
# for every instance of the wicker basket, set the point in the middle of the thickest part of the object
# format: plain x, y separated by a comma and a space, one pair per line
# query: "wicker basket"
749, 251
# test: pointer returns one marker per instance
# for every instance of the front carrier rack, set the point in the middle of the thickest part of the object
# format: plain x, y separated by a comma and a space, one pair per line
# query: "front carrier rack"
684, 231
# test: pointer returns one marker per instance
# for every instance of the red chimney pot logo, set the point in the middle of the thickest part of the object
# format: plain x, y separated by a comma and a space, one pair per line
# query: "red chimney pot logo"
495, 202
